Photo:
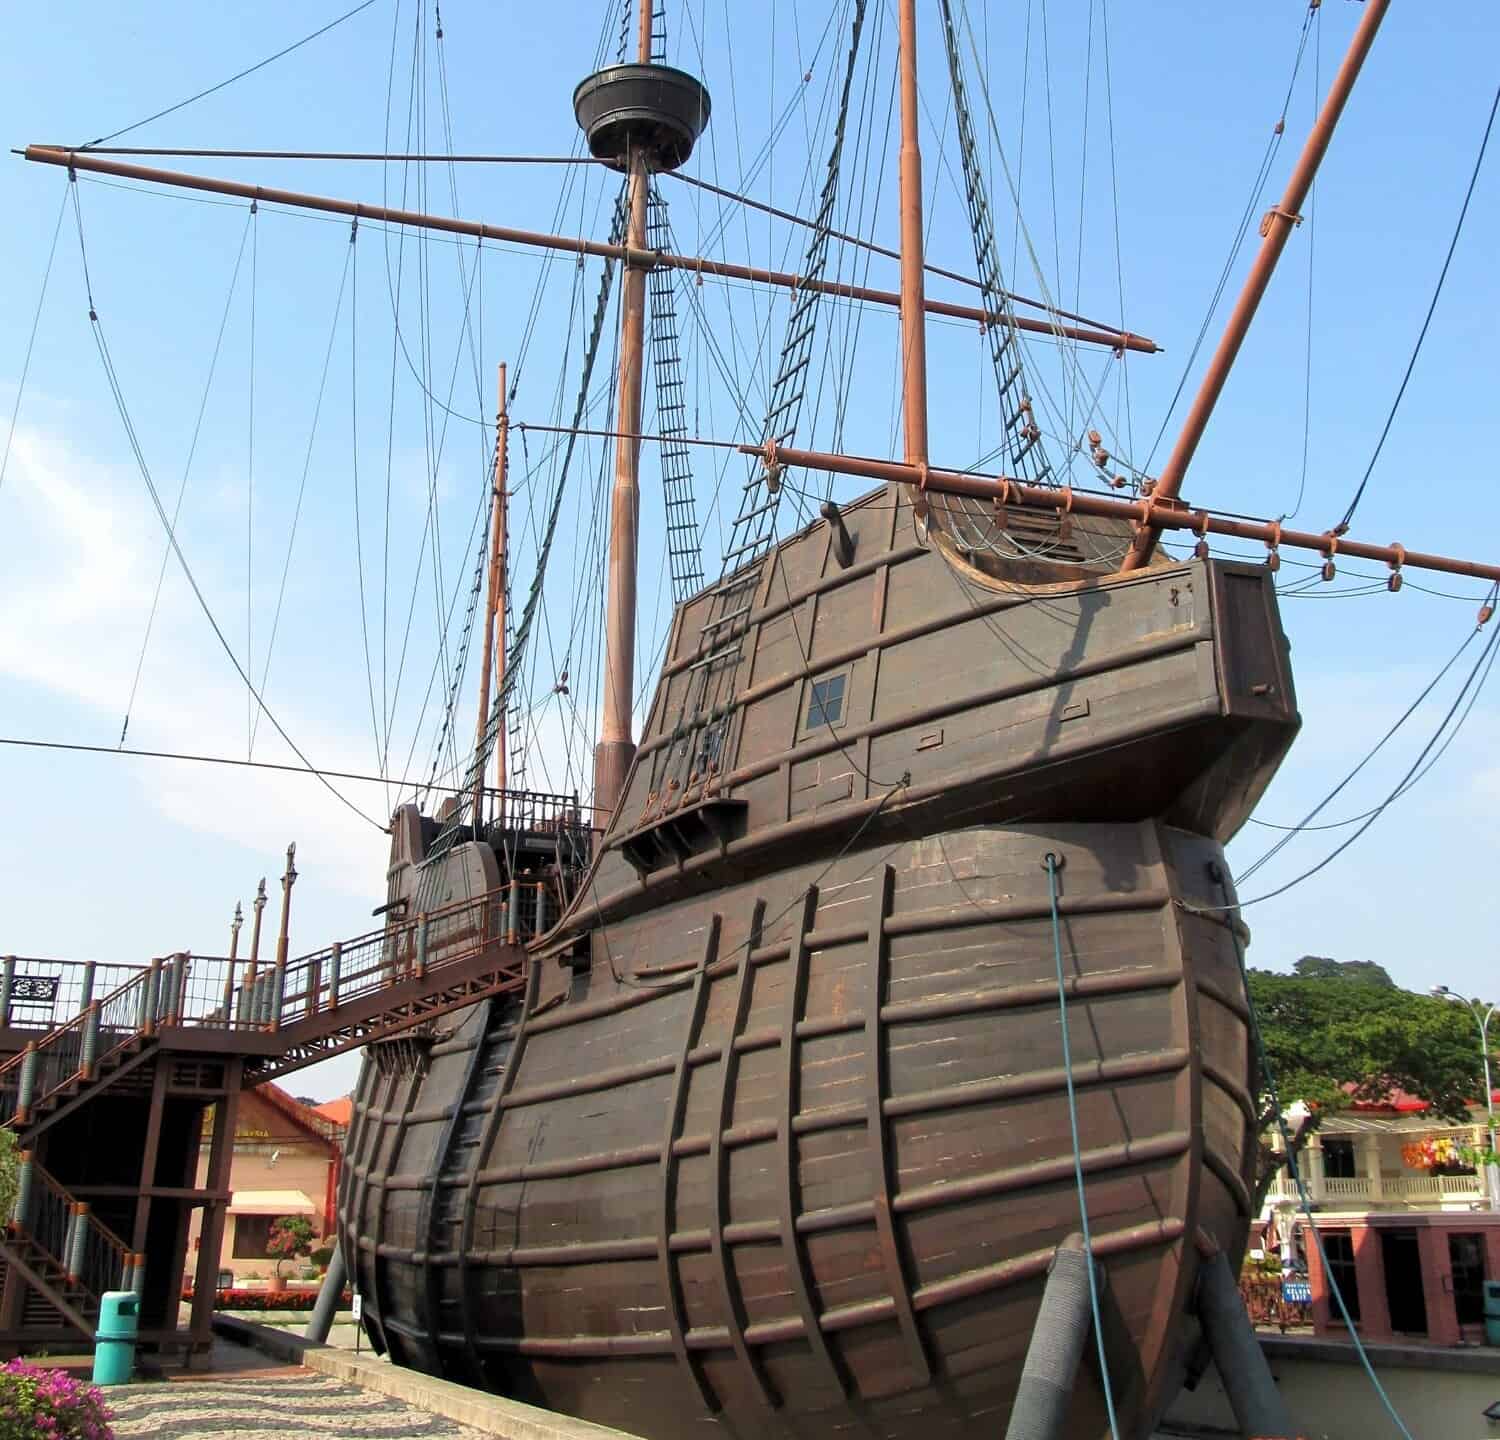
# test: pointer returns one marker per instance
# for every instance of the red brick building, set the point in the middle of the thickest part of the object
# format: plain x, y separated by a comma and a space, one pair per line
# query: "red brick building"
1413, 1275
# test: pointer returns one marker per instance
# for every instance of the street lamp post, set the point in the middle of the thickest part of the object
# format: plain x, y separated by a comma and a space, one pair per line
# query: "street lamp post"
1482, 1016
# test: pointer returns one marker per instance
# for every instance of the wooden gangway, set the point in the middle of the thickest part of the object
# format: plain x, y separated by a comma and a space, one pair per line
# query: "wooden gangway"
112, 1096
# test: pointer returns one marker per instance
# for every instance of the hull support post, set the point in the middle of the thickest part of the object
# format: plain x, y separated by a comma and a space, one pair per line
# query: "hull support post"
1062, 1328
1259, 1409
328, 1298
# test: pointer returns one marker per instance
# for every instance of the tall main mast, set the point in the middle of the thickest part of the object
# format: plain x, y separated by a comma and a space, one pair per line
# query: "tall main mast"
639, 118
616, 747
913, 299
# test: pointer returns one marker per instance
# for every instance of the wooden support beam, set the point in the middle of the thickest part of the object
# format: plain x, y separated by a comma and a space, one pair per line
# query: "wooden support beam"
211, 1232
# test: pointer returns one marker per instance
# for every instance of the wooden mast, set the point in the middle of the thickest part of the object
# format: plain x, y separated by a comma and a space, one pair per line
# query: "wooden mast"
913, 302
492, 650
1276, 227
616, 749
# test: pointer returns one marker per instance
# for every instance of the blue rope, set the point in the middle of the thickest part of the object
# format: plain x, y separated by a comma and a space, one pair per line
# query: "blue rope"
1083, 1209
1304, 1204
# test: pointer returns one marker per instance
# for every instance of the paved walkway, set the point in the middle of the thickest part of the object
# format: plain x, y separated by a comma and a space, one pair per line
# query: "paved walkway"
267, 1406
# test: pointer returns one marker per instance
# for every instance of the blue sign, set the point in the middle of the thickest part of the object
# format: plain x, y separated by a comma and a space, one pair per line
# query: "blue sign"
1296, 1292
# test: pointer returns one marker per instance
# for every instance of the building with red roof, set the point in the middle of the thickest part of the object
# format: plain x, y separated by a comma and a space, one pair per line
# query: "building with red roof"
287, 1157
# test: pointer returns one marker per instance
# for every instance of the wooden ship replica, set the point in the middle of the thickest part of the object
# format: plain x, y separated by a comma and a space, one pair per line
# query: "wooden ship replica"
779, 1136
897, 961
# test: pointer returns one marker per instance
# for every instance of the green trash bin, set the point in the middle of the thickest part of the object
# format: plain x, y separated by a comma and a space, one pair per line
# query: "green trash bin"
114, 1341
1492, 1312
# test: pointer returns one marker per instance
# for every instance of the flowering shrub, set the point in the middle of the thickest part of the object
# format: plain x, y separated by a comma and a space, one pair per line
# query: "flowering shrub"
261, 1300
40, 1404
1442, 1154
1431, 1152
291, 1239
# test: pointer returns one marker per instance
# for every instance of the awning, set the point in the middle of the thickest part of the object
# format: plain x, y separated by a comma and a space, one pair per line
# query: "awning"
270, 1202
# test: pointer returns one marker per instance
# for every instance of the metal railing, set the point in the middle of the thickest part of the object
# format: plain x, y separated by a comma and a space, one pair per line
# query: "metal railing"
38, 993
538, 810
1409, 1189
214, 991
87, 1251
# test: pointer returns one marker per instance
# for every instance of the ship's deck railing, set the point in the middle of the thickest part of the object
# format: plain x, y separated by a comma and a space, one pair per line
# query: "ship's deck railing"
537, 811
186, 990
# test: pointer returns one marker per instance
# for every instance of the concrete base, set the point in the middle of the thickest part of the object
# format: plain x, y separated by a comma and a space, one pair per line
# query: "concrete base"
1440, 1394
490, 1414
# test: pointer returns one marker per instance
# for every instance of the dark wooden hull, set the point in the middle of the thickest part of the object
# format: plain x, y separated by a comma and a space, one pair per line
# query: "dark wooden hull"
779, 1137
847, 1114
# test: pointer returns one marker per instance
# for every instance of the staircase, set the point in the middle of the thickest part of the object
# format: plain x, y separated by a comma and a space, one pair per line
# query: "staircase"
187, 1033
67, 1256
106, 1040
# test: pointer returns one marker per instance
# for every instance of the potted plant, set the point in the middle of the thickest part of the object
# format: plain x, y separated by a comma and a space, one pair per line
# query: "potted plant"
291, 1239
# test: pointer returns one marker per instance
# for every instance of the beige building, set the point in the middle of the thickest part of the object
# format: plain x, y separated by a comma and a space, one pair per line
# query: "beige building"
1361, 1159
1409, 1238
286, 1162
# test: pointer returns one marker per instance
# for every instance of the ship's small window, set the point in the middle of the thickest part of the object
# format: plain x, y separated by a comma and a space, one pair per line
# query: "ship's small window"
827, 707
710, 744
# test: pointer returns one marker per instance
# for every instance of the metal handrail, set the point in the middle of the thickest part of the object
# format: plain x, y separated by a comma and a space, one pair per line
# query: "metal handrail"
212, 991
91, 1254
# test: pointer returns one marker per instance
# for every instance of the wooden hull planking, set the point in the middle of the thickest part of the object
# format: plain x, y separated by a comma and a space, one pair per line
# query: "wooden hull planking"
808, 1158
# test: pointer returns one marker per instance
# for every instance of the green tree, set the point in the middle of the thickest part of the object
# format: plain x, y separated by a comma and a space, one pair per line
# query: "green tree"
1320, 967
10, 1173
1342, 1038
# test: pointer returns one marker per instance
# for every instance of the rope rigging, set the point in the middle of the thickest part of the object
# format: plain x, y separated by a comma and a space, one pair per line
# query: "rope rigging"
250, 491
111, 375
1467, 695
1052, 863
454, 826
286, 566
238, 75
36, 319
359, 548
755, 524
166, 554
1231, 908
1437, 292
1252, 208
1020, 442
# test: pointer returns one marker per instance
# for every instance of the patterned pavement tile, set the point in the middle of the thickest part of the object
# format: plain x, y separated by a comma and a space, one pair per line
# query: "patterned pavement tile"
265, 1407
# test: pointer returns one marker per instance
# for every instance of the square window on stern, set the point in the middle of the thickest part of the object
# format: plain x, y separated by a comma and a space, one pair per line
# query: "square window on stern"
827, 704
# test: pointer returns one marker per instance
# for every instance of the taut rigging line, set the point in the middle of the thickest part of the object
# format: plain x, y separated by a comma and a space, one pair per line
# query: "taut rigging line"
231, 760
112, 377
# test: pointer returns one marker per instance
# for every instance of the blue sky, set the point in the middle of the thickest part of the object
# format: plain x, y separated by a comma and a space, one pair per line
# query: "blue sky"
120, 859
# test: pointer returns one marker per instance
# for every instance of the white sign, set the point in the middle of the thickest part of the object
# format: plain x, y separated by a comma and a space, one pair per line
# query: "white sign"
356, 1307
